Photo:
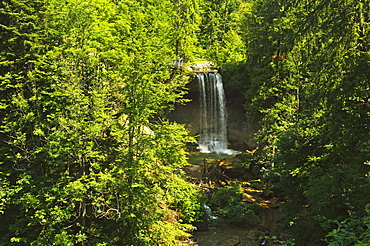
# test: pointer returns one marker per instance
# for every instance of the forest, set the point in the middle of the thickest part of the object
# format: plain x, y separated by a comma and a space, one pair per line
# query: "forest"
89, 157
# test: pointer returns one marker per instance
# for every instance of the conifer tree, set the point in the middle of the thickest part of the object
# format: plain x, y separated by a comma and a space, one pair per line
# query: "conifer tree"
309, 87
88, 157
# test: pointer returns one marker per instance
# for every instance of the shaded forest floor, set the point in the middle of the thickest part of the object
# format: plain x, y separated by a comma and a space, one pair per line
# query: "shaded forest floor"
223, 171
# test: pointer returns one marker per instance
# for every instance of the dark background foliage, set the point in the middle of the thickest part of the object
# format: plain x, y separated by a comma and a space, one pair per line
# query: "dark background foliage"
87, 156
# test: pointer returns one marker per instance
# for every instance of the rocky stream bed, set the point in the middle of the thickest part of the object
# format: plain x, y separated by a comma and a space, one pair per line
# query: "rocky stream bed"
221, 232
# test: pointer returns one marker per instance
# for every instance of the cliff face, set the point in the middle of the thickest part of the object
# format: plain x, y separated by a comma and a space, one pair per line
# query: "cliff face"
240, 133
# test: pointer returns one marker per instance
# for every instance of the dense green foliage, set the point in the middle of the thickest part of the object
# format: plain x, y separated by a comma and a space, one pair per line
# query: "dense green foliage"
353, 231
308, 88
87, 156
228, 202
305, 78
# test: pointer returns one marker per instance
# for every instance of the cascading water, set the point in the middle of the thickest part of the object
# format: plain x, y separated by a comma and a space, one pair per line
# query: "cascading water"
213, 118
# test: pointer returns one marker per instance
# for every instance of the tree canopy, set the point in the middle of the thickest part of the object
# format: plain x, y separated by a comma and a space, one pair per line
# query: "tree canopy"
88, 157
308, 87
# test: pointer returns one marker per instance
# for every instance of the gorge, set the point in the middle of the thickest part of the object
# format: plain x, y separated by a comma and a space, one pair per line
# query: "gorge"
215, 114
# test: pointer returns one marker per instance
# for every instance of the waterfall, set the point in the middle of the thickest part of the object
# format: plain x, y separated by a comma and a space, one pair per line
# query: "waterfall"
213, 118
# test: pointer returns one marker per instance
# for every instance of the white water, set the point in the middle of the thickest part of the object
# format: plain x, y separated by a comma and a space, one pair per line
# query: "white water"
213, 117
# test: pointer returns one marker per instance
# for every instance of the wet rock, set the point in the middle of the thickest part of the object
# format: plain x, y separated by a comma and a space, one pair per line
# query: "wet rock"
202, 226
240, 132
194, 171
229, 241
192, 147
233, 170
256, 234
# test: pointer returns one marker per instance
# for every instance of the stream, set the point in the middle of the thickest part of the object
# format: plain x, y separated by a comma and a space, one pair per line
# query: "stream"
219, 231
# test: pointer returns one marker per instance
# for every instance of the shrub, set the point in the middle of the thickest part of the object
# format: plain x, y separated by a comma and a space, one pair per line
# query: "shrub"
228, 202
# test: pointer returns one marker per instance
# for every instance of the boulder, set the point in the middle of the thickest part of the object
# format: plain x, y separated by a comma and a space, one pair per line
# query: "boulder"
233, 170
229, 241
256, 235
